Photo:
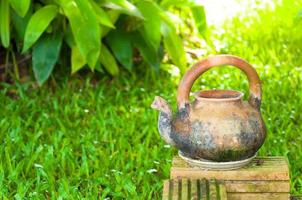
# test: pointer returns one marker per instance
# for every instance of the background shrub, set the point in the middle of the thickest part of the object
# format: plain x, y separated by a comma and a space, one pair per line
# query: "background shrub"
100, 34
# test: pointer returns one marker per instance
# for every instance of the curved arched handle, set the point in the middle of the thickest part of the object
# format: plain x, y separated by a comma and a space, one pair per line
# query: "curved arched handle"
199, 68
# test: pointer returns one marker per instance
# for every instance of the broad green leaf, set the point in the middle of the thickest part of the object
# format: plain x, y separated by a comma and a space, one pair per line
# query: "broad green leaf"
85, 28
99, 68
20, 6
45, 55
174, 46
177, 3
120, 43
151, 28
4, 22
149, 53
108, 61
90, 18
167, 19
68, 37
123, 6
199, 19
37, 24
77, 60
101, 15
113, 15
20, 23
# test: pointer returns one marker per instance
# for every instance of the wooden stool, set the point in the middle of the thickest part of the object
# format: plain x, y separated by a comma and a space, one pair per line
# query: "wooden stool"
265, 178
194, 189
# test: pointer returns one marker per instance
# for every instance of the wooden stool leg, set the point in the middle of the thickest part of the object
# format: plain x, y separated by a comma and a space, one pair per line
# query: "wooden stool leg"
222, 192
194, 189
203, 189
175, 190
166, 190
184, 189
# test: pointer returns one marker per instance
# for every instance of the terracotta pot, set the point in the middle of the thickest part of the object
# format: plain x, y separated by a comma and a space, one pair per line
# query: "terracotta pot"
218, 125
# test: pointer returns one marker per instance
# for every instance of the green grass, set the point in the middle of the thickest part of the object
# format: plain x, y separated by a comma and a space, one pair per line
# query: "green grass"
81, 139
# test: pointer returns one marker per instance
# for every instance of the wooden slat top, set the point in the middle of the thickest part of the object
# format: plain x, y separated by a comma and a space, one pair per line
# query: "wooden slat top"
261, 168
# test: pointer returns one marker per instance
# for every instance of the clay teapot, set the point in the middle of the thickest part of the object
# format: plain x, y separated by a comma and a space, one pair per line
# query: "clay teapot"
218, 125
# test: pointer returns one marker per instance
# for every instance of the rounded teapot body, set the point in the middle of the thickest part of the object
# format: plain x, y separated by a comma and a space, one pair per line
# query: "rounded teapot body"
218, 126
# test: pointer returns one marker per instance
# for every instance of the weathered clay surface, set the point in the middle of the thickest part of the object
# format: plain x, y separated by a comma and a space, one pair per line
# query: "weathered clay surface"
228, 131
218, 125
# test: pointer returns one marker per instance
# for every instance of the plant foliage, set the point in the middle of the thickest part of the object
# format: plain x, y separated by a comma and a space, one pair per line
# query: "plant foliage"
98, 33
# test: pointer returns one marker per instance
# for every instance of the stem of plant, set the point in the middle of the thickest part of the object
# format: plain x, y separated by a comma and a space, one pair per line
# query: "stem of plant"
53, 80
15, 64
7, 71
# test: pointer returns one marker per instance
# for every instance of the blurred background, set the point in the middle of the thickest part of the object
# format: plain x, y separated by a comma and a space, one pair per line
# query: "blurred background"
77, 79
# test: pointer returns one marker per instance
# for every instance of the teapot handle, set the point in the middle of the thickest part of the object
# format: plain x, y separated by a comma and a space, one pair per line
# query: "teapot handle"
199, 68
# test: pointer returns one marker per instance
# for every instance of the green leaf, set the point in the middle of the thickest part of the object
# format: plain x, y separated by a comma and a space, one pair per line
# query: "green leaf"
174, 46
148, 52
123, 6
199, 19
151, 28
77, 60
99, 68
177, 3
120, 44
38, 24
68, 37
45, 55
85, 28
102, 17
113, 15
4, 23
20, 6
20, 23
108, 61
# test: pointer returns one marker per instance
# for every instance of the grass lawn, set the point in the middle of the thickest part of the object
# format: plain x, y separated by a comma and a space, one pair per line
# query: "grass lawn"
99, 140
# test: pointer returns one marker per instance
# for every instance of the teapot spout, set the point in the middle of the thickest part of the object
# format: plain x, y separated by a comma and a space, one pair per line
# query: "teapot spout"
164, 118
